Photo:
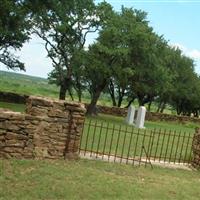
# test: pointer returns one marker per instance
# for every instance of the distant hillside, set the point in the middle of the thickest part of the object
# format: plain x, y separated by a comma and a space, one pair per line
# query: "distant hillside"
31, 85
25, 84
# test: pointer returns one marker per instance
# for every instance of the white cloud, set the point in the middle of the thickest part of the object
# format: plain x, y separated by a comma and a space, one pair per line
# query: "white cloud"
180, 46
195, 54
192, 53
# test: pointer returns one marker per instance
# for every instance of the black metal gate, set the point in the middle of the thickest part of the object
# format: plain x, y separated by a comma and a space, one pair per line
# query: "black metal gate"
126, 144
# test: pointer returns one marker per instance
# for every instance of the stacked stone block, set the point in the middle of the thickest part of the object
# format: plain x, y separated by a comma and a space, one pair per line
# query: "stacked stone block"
196, 149
49, 129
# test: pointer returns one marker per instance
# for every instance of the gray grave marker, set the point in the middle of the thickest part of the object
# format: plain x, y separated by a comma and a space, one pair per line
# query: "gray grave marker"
139, 123
130, 115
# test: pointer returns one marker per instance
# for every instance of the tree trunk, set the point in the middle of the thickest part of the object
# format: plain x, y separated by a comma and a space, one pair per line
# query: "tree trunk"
140, 101
163, 107
159, 106
71, 94
62, 93
130, 102
149, 106
114, 103
178, 110
119, 101
111, 90
121, 96
91, 109
79, 96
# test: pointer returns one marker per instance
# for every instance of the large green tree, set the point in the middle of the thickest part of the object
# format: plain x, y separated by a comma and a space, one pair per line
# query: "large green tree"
64, 26
114, 48
13, 31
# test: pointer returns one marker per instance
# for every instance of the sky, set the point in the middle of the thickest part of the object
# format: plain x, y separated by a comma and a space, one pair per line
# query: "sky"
177, 20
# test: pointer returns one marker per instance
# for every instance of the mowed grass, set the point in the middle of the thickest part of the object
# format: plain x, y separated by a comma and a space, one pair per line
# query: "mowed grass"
13, 106
187, 127
84, 179
164, 141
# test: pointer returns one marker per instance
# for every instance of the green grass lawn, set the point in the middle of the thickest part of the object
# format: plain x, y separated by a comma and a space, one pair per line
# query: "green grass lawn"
13, 106
84, 179
187, 127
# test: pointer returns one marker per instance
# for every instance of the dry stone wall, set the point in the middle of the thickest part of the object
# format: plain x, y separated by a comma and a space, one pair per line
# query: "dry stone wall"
196, 149
13, 97
48, 130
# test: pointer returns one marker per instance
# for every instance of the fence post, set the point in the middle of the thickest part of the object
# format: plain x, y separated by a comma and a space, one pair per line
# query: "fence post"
196, 149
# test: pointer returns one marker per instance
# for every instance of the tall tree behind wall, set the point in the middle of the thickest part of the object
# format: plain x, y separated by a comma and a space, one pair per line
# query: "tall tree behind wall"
14, 32
64, 26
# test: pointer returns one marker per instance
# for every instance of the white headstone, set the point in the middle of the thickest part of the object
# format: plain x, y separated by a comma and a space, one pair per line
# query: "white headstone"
139, 123
130, 115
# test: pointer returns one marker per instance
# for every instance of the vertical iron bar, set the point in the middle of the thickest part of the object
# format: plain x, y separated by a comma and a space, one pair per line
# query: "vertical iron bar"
182, 147
117, 143
123, 144
187, 149
152, 143
86, 142
107, 128
172, 146
157, 145
169, 135
135, 151
190, 156
147, 152
111, 141
94, 134
144, 135
99, 139
129, 147
177, 145
161, 151
147, 158
81, 138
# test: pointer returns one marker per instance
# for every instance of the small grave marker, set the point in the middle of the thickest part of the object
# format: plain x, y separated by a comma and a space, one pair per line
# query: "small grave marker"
139, 123
130, 115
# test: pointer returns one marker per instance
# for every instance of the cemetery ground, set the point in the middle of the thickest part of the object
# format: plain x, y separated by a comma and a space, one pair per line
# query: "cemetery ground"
95, 179
86, 179
110, 135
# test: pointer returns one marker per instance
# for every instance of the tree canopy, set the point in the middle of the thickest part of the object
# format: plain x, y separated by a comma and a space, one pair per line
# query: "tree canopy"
127, 61
14, 31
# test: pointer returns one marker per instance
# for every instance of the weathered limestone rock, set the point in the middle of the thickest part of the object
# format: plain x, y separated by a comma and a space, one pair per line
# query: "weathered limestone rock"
196, 149
49, 130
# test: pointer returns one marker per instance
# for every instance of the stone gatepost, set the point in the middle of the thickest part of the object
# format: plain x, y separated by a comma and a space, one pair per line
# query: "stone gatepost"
196, 149
49, 129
